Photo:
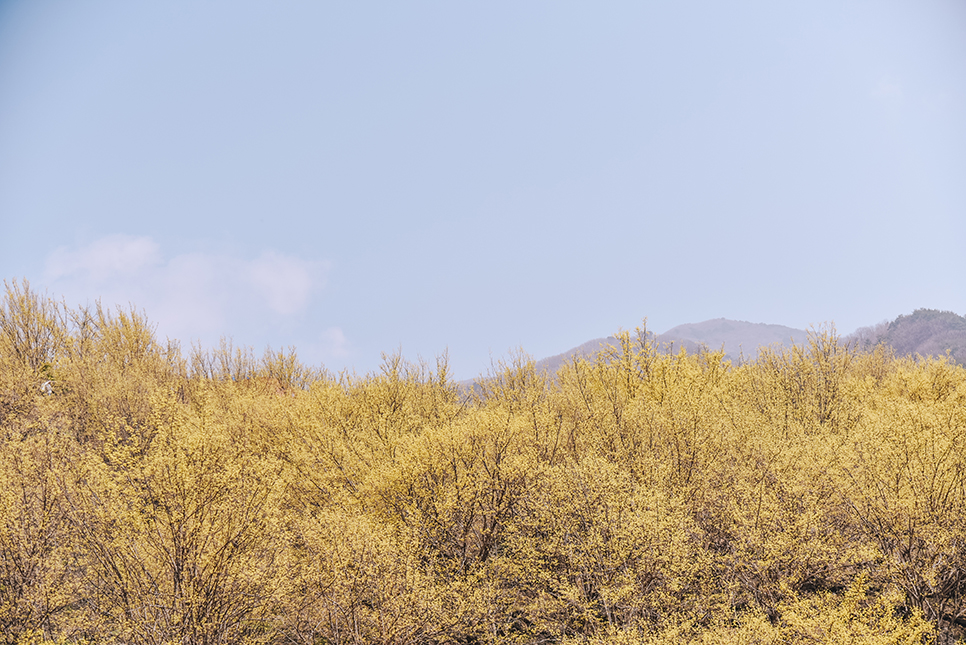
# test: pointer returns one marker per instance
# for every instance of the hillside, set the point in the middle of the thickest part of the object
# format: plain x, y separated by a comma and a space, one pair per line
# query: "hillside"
738, 338
924, 332
587, 350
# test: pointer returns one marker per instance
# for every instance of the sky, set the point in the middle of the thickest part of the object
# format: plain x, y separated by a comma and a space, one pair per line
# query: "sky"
359, 179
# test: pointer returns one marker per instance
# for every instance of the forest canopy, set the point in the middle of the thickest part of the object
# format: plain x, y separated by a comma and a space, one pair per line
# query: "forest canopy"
150, 495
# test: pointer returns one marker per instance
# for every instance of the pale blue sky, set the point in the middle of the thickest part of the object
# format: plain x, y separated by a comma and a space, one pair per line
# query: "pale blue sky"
354, 178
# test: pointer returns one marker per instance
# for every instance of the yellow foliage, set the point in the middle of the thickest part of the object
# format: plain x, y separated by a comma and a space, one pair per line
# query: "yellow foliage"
816, 495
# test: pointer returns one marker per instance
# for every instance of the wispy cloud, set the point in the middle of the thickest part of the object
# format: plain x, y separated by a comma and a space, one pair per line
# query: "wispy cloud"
191, 295
284, 282
334, 343
330, 346
104, 258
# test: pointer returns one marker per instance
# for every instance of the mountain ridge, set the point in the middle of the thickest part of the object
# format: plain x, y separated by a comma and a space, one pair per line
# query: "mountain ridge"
739, 339
924, 332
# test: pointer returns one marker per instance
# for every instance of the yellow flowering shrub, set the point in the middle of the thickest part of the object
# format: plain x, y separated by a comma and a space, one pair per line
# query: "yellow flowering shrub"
814, 495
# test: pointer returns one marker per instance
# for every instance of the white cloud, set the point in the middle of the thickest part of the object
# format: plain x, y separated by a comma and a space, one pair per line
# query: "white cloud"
192, 295
195, 291
108, 256
285, 282
329, 347
334, 343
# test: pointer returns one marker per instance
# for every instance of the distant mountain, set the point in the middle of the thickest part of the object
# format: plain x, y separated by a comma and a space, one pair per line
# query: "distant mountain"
587, 350
926, 332
738, 338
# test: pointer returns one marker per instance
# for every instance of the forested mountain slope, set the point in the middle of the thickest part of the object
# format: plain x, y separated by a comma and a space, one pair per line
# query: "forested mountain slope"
815, 495
924, 332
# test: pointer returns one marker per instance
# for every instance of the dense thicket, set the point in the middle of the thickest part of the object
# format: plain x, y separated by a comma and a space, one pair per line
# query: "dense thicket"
814, 496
